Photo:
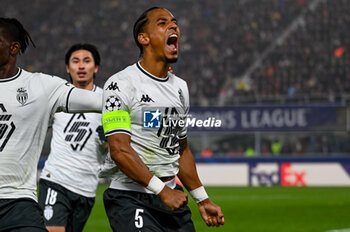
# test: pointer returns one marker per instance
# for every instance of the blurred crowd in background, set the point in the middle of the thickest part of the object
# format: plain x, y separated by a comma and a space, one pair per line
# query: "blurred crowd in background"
220, 41
231, 52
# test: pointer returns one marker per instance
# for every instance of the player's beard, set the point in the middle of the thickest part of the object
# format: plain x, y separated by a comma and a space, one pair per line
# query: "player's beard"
171, 60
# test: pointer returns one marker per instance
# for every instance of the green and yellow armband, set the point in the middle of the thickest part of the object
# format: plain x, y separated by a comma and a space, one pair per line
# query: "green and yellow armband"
119, 119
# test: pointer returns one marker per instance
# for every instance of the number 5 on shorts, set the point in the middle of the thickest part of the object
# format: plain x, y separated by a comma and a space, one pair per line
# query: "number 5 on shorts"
138, 218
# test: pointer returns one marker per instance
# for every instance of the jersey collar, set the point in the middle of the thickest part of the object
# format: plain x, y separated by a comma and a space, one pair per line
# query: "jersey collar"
14, 77
150, 75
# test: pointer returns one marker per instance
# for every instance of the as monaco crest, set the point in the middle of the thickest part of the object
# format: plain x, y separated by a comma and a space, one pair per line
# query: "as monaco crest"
22, 96
48, 212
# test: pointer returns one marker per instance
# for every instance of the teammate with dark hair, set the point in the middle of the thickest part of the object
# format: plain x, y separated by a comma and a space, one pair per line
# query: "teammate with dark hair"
87, 47
143, 195
28, 102
69, 179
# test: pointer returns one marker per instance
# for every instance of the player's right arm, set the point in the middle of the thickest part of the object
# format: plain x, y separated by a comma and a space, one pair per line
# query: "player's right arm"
127, 160
131, 164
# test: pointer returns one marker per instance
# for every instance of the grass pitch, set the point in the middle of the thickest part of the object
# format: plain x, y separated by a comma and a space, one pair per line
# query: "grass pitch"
263, 209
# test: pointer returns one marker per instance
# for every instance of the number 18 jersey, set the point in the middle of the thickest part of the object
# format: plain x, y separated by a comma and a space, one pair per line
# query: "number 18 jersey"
27, 102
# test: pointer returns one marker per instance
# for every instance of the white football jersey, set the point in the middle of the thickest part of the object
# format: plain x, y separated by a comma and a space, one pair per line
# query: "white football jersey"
150, 101
27, 101
76, 152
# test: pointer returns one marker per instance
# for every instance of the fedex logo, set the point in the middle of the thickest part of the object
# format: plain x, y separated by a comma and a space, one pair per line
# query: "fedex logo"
264, 174
290, 177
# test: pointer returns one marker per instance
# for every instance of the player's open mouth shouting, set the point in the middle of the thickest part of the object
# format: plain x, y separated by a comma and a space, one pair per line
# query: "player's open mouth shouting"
172, 43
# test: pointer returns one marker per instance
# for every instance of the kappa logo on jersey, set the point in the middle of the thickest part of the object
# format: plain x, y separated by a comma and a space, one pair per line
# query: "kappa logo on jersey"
6, 127
22, 96
113, 86
112, 103
146, 98
152, 118
77, 131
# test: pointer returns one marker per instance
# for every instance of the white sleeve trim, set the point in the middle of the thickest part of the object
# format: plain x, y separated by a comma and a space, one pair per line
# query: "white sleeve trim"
117, 131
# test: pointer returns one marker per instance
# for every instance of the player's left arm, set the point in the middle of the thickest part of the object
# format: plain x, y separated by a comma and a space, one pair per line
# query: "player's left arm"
81, 100
211, 213
63, 96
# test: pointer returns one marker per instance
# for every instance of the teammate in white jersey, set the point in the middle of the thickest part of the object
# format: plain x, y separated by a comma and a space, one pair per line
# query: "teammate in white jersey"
69, 179
27, 102
143, 105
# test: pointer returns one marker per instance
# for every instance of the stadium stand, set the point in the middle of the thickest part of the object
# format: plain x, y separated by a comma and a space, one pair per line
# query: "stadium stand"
221, 40
312, 62
232, 52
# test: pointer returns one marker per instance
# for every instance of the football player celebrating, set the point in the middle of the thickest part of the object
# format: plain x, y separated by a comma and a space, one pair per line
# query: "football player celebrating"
27, 102
137, 99
69, 179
